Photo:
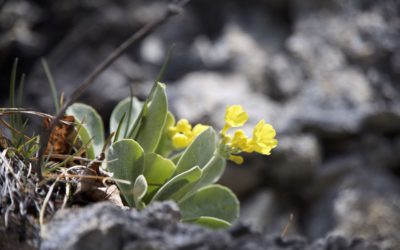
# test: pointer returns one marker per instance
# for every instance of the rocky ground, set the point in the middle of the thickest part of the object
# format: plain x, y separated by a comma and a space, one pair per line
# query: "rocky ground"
105, 226
324, 73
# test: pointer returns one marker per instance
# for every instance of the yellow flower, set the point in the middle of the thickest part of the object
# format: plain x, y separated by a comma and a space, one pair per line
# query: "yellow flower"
263, 138
183, 126
240, 141
180, 140
198, 129
237, 144
182, 134
262, 141
236, 159
235, 116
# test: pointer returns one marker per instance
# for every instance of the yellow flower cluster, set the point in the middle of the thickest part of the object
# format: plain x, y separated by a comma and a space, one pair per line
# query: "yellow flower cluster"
262, 141
182, 134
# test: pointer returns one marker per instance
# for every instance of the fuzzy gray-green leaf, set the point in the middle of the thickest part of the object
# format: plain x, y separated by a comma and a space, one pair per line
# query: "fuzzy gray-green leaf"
157, 170
199, 151
92, 121
211, 201
121, 109
164, 146
139, 191
126, 160
87, 141
212, 171
153, 120
210, 222
176, 188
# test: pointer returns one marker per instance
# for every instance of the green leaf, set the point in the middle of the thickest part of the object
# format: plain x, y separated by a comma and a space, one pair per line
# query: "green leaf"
211, 201
52, 84
177, 187
157, 170
176, 157
199, 151
20, 126
165, 146
139, 191
13, 79
152, 125
86, 139
126, 160
165, 63
20, 97
117, 132
121, 109
210, 222
212, 171
91, 121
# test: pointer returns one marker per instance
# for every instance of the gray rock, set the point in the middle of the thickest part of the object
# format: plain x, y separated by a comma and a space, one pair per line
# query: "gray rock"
104, 226
333, 106
363, 202
340, 242
293, 163
285, 77
384, 118
315, 53
17, 20
292, 166
380, 152
372, 215
247, 55
205, 95
242, 179
78, 56
81, 51
336, 44
18, 38
366, 28
265, 212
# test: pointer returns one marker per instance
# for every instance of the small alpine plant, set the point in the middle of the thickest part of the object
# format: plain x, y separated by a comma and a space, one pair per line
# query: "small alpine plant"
161, 159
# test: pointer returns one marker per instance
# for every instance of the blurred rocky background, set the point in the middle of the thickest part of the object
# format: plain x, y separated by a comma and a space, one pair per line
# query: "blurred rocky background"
325, 74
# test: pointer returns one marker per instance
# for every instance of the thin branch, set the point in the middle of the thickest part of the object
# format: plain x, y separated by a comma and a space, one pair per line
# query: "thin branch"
173, 9
11, 111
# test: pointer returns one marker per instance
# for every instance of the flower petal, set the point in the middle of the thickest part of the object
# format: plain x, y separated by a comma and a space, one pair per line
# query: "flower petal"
180, 140
235, 116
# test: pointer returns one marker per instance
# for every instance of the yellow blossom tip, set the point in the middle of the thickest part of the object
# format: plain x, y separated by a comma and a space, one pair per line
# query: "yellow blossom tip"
240, 140
199, 128
236, 159
180, 140
235, 116
182, 133
183, 125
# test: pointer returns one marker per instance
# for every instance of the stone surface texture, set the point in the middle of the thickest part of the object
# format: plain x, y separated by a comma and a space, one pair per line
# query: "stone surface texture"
324, 73
105, 226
